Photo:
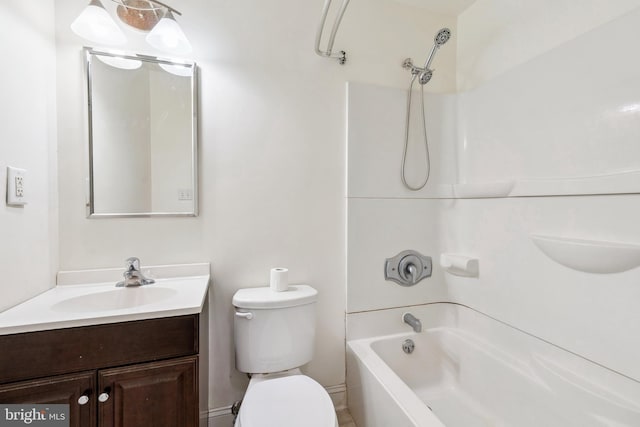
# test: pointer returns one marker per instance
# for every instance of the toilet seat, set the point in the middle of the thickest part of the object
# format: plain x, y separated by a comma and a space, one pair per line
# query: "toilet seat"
289, 401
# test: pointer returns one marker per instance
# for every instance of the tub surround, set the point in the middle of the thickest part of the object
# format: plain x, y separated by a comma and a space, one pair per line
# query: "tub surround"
540, 168
467, 368
555, 125
90, 297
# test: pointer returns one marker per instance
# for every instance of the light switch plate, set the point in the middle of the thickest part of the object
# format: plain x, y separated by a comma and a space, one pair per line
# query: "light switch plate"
16, 186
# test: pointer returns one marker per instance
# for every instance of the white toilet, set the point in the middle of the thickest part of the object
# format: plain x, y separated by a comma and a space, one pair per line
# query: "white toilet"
274, 335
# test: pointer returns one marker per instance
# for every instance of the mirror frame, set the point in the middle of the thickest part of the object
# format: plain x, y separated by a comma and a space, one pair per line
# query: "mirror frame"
90, 205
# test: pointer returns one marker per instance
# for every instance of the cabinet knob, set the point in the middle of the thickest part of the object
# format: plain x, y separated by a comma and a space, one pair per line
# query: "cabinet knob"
103, 397
83, 400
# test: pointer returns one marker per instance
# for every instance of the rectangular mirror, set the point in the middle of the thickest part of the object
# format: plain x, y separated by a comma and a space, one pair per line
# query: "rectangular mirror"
142, 136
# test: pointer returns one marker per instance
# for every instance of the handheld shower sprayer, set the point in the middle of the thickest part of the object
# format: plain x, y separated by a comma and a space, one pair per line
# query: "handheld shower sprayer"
440, 39
424, 75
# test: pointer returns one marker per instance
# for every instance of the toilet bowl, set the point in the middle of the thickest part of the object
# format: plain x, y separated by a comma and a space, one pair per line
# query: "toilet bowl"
274, 334
290, 400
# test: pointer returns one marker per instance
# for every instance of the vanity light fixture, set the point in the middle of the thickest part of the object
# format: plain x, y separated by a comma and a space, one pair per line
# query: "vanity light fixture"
168, 36
95, 24
151, 16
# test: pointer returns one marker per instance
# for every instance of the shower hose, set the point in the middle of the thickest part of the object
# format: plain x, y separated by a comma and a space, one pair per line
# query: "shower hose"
406, 138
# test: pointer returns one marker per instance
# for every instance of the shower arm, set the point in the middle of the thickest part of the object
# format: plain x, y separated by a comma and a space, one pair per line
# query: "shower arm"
425, 73
409, 65
342, 55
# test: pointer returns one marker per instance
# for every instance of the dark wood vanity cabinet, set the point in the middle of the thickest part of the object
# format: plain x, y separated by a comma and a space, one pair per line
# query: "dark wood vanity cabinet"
67, 389
131, 374
160, 394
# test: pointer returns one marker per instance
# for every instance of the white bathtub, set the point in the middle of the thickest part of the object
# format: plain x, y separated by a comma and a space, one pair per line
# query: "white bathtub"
468, 370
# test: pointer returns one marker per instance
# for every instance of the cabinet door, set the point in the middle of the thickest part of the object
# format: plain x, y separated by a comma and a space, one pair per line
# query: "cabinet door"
76, 390
157, 394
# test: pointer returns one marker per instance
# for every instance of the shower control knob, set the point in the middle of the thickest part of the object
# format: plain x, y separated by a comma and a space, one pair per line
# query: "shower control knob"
407, 268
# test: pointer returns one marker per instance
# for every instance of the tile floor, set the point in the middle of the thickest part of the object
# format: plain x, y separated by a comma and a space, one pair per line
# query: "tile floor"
344, 418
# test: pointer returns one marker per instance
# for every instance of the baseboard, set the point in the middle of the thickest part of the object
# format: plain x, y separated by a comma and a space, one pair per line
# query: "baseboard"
222, 417
338, 395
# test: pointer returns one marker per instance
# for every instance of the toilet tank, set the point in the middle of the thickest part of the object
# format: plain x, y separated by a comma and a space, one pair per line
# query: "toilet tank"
274, 331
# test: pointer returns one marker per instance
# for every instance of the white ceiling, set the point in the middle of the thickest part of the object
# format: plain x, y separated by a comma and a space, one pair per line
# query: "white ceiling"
444, 7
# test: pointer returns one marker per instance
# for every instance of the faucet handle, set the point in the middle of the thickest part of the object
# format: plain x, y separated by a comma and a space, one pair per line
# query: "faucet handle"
407, 268
133, 276
133, 263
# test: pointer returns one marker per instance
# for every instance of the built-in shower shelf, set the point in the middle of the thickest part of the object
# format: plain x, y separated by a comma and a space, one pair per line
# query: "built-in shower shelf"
480, 190
591, 256
613, 183
627, 182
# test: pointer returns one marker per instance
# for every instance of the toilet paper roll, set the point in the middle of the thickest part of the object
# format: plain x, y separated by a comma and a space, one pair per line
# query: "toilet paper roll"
279, 279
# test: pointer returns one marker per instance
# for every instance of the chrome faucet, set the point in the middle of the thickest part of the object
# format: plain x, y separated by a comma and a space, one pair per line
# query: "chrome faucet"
133, 276
412, 321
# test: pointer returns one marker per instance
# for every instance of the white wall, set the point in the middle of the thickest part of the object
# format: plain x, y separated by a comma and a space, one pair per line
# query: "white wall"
272, 138
498, 35
28, 257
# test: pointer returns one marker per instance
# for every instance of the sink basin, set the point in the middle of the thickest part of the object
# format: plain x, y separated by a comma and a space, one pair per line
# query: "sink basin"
115, 299
90, 297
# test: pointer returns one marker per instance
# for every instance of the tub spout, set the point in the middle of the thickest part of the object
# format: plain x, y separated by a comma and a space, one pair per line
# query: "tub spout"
412, 321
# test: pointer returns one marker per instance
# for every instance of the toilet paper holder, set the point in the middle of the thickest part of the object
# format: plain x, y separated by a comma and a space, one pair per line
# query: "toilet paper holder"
407, 268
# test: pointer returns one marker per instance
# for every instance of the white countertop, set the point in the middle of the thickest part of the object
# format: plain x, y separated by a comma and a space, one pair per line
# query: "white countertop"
78, 300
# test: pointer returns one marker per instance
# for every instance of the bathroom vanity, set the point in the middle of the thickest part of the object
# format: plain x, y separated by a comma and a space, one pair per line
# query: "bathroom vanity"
135, 365
140, 373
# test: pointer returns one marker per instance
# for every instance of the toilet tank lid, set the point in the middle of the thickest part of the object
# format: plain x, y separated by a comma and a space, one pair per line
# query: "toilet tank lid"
265, 298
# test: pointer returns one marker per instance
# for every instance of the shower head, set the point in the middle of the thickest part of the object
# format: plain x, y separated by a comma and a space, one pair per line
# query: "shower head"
441, 38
